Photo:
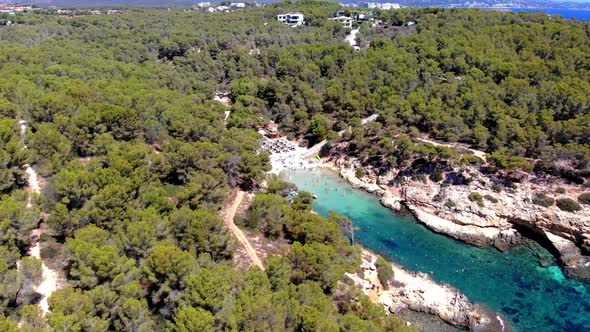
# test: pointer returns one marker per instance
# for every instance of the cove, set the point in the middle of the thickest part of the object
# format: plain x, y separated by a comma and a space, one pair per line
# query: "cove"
534, 298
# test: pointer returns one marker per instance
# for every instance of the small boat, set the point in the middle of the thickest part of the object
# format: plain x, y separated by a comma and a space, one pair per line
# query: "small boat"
314, 196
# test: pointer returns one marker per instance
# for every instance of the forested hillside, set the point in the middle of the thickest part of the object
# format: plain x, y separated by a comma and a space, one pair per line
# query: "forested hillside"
138, 159
137, 162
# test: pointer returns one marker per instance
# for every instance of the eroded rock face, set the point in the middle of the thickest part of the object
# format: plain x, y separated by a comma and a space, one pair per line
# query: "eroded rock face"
418, 292
447, 209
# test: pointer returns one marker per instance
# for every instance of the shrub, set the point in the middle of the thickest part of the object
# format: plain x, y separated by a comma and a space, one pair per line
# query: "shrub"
436, 176
359, 173
560, 190
280, 187
491, 198
469, 159
384, 271
568, 204
541, 199
496, 187
584, 198
450, 204
50, 252
476, 198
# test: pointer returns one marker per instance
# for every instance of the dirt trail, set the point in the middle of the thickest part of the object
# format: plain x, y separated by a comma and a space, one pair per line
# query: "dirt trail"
50, 279
228, 217
477, 153
351, 39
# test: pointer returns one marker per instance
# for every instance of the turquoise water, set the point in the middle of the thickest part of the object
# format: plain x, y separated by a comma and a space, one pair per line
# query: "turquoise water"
512, 282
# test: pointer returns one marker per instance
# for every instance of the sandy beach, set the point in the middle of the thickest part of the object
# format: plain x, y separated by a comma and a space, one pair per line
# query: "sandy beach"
291, 158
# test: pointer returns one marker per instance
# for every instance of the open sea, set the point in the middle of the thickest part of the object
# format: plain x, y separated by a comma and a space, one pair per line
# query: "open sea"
578, 14
533, 297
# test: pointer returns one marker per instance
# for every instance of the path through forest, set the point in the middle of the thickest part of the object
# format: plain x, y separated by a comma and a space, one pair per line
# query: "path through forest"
228, 216
477, 153
351, 38
50, 279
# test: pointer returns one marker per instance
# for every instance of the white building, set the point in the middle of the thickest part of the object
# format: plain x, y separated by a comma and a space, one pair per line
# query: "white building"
238, 5
344, 20
383, 5
293, 19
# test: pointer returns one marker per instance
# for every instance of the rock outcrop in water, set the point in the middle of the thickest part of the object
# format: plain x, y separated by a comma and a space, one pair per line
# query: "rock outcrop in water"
418, 292
490, 217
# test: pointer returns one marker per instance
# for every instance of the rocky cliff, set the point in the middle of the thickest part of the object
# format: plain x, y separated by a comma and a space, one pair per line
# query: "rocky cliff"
418, 292
482, 213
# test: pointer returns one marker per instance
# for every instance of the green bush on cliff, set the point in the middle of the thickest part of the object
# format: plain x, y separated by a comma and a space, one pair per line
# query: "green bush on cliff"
359, 173
496, 187
384, 272
450, 204
541, 199
560, 190
584, 198
491, 198
476, 198
568, 204
436, 176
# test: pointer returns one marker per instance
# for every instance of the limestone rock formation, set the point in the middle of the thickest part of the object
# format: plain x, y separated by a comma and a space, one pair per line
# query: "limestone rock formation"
489, 217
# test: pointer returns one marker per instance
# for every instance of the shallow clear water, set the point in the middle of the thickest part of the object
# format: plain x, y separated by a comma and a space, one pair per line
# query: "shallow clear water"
512, 282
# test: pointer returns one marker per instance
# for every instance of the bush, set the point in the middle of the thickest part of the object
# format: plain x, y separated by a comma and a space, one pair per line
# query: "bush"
359, 173
568, 204
496, 187
450, 204
280, 187
541, 199
436, 176
476, 198
491, 198
584, 198
50, 252
560, 190
384, 271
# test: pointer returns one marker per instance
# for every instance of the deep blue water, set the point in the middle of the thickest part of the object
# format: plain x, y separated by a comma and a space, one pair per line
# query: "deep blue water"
579, 14
512, 282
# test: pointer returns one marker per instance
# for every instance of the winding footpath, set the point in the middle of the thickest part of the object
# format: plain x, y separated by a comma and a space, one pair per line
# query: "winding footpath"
228, 217
50, 278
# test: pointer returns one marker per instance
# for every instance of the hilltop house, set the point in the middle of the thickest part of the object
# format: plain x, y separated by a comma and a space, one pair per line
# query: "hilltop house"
292, 19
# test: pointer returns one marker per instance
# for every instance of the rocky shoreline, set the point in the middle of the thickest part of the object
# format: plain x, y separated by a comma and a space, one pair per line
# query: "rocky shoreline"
446, 209
418, 292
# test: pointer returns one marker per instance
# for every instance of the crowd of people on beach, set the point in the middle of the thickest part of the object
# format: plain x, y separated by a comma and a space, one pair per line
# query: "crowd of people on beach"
286, 155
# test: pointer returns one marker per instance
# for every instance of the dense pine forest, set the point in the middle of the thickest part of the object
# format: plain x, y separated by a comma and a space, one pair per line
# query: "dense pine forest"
137, 159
